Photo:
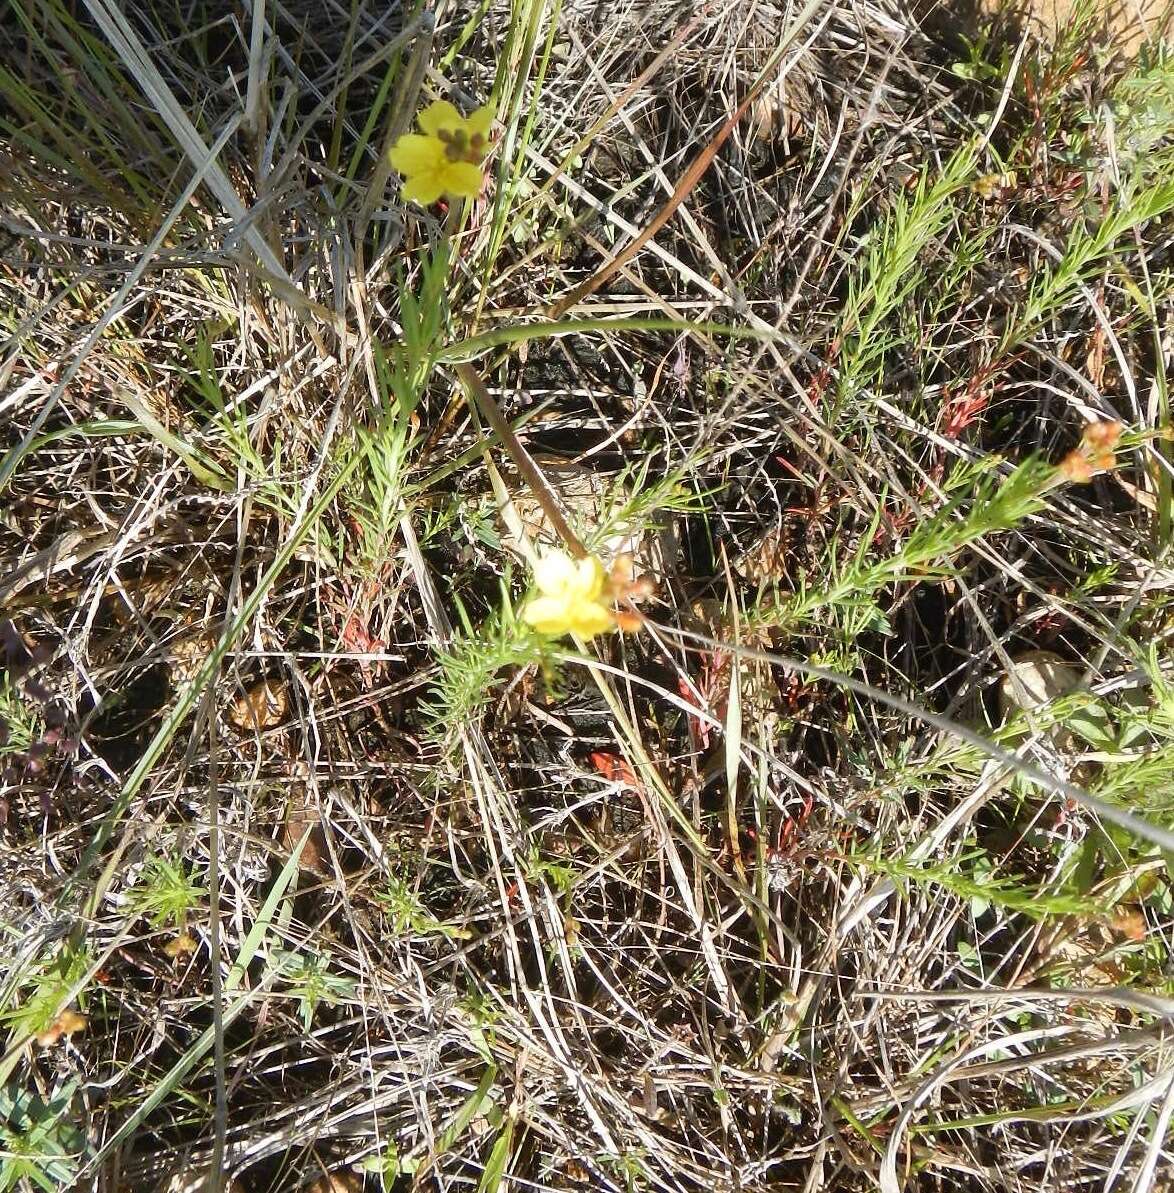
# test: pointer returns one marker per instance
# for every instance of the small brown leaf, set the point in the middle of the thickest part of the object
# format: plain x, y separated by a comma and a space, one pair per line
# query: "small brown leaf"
299, 816
262, 706
571, 931
616, 770
188, 656
576, 1171
1037, 678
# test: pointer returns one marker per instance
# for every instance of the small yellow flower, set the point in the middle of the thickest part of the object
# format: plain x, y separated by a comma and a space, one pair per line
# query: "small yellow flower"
572, 598
445, 157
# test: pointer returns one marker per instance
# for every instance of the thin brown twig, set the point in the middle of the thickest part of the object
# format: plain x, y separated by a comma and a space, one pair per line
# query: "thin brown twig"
531, 474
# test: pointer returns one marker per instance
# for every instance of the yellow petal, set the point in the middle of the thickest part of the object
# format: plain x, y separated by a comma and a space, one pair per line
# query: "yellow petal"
480, 121
463, 178
424, 189
554, 573
589, 578
439, 115
591, 619
548, 615
412, 154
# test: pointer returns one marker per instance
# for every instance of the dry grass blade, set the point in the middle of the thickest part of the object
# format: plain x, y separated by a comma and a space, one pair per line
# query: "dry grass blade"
114, 309
124, 39
697, 168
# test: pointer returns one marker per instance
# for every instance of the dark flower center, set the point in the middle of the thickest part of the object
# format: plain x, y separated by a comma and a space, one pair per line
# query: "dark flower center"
460, 147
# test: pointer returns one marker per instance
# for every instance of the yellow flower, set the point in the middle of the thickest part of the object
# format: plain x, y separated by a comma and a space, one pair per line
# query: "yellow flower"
445, 157
572, 597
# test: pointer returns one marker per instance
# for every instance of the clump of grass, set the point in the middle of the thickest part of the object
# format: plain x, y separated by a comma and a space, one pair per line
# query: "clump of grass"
473, 665
38, 989
167, 892
976, 505
20, 722
311, 982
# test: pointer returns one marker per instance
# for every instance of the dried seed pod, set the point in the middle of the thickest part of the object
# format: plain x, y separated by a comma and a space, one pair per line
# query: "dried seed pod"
66, 1024
301, 813
181, 946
